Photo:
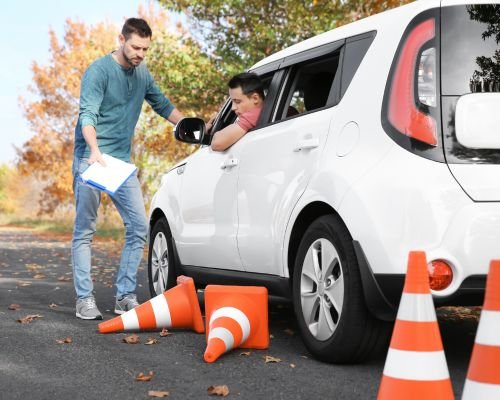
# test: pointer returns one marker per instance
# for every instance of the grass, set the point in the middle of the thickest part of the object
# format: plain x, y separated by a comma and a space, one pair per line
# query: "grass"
64, 228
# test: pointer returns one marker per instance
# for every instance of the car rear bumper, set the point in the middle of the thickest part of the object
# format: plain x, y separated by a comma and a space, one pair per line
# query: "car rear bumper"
383, 291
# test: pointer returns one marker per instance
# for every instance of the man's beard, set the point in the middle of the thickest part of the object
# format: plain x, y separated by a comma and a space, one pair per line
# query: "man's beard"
128, 60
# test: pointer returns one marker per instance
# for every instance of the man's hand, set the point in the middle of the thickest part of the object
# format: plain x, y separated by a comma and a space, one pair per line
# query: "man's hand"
96, 156
210, 123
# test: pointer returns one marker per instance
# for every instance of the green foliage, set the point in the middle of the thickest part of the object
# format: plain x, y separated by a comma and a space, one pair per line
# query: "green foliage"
239, 33
194, 84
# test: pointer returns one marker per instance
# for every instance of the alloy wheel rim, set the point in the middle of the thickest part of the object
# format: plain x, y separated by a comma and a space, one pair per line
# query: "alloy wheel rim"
159, 263
322, 289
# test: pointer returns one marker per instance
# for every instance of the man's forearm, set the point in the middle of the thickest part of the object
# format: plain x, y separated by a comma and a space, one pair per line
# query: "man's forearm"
90, 136
175, 116
226, 137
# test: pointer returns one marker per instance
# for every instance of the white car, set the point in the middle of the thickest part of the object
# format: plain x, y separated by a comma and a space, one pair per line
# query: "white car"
393, 146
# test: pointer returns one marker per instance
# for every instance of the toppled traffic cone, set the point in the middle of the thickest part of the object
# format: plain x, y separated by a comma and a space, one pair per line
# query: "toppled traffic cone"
176, 308
236, 316
415, 367
483, 377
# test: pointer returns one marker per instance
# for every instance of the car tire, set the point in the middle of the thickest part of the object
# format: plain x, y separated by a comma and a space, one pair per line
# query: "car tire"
161, 259
329, 304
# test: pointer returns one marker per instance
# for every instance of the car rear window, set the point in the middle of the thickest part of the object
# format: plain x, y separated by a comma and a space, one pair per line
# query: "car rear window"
470, 63
470, 51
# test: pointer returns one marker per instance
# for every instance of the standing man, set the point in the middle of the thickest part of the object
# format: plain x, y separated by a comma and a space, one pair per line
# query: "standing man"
113, 90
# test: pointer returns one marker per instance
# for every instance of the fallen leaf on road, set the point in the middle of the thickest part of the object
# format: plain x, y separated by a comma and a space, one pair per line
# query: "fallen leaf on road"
289, 332
164, 332
245, 353
271, 336
141, 377
22, 283
29, 318
152, 341
14, 307
39, 276
131, 339
221, 390
271, 359
66, 340
292, 365
53, 305
63, 279
158, 393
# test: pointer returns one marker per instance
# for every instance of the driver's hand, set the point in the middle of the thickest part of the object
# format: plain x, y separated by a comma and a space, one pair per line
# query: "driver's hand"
210, 123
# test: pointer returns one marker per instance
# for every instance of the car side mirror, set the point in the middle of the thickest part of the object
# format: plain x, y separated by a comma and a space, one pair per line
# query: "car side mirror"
190, 130
477, 120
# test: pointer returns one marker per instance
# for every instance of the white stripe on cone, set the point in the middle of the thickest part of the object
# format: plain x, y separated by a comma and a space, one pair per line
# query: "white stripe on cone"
130, 320
161, 311
416, 365
489, 328
223, 334
479, 391
237, 315
416, 307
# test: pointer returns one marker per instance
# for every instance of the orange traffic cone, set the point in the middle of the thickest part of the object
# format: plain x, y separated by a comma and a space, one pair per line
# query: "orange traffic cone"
176, 308
483, 377
415, 367
236, 316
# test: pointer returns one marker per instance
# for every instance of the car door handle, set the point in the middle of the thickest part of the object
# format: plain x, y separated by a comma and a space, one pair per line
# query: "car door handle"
229, 163
306, 144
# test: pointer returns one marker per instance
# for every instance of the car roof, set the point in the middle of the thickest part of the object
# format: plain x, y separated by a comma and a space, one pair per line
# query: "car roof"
374, 22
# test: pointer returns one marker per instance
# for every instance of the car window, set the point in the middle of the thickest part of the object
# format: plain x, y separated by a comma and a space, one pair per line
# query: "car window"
309, 86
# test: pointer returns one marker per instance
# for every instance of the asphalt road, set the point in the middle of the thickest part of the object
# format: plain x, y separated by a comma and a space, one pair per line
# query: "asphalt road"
35, 273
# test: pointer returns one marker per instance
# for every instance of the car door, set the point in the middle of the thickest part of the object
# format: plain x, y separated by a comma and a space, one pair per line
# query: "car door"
208, 211
277, 160
208, 206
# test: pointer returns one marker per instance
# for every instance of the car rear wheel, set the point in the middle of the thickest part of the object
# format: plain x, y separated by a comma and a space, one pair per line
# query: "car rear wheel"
161, 260
328, 298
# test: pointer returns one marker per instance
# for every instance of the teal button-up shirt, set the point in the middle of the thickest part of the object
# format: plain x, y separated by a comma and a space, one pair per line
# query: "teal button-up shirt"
111, 99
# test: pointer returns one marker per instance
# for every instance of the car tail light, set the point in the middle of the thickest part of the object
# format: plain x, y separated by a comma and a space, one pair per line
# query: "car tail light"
413, 86
440, 274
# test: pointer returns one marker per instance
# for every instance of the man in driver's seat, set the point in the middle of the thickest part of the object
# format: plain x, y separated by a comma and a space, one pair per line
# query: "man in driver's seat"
247, 95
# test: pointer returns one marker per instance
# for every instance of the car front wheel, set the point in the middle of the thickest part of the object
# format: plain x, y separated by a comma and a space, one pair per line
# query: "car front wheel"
161, 260
328, 299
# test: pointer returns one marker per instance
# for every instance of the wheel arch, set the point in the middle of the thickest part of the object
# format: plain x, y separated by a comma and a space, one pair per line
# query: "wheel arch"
155, 216
375, 299
308, 214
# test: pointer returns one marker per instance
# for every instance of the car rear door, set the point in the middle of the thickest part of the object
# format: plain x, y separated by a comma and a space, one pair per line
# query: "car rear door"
277, 160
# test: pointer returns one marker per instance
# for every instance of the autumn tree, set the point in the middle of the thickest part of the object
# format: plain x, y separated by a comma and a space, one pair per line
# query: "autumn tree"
192, 82
52, 114
238, 33
187, 76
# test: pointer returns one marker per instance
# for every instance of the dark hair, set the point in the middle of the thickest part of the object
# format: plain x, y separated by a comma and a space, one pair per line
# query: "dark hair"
137, 26
249, 83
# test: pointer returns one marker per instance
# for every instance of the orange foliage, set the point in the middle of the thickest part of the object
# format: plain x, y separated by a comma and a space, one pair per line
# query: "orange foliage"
52, 116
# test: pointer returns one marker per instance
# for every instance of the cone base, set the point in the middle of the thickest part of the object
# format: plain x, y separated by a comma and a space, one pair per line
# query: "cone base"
393, 388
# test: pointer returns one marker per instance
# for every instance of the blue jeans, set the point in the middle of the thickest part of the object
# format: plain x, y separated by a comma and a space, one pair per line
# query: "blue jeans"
129, 202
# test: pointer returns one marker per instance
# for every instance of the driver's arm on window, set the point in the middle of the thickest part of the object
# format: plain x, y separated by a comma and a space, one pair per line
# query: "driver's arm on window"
226, 137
